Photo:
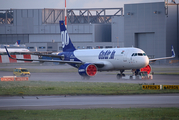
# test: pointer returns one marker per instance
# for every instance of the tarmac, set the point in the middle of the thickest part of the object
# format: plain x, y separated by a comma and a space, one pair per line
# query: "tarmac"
86, 102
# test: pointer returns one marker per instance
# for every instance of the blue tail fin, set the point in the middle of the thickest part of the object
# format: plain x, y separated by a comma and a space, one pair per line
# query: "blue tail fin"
66, 41
17, 42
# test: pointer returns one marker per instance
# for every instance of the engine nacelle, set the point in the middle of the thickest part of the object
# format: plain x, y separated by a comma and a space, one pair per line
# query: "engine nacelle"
87, 70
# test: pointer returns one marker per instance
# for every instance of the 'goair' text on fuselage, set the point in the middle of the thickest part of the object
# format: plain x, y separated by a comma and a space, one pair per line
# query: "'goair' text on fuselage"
106, 54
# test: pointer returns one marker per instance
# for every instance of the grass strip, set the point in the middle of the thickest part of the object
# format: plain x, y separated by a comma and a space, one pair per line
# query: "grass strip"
74, 88
93, 114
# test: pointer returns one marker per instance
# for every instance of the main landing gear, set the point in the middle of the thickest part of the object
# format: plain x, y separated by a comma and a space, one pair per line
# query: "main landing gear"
135, 73
120, 75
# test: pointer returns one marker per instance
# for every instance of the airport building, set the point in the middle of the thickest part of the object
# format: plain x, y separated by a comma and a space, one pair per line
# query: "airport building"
152, 27
39, 28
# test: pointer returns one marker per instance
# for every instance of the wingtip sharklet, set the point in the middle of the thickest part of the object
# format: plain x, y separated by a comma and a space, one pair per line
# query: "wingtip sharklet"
8, 52
173, 52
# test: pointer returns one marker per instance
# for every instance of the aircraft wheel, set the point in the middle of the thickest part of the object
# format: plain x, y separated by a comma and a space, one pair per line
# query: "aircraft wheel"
119, 76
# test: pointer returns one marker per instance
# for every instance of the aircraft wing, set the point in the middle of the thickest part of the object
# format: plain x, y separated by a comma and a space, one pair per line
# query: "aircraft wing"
99, 64
155, 59
40, 53
41, 60
49, 55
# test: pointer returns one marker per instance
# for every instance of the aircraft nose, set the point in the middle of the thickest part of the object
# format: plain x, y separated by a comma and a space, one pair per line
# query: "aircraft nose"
142, 61
145, 61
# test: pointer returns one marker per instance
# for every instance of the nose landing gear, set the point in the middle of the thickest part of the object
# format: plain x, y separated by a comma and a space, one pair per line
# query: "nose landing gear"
143, 73
120, 75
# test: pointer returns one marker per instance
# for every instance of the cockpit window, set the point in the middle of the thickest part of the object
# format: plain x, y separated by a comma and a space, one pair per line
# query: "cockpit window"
138, 54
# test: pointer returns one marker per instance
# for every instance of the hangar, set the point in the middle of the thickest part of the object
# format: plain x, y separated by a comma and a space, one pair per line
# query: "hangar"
152, 27
88, 28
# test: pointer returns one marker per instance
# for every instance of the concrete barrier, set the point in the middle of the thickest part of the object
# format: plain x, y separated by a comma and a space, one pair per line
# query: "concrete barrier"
21, 79
14, 78
7, 79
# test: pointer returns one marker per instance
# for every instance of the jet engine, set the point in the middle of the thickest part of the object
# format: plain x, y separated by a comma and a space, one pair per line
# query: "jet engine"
87, 70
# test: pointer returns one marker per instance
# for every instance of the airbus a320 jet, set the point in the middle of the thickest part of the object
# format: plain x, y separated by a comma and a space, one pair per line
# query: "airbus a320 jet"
89, 61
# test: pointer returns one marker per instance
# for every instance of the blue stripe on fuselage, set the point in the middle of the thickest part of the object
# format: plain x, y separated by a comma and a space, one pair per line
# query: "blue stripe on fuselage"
69, 56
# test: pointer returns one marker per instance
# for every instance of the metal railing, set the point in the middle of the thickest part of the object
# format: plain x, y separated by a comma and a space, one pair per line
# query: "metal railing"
6, 16
81, 16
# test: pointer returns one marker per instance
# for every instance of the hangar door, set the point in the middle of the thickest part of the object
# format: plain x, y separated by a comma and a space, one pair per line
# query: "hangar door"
145, 41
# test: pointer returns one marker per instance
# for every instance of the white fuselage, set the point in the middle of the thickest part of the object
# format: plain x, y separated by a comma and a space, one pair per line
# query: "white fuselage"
114, 58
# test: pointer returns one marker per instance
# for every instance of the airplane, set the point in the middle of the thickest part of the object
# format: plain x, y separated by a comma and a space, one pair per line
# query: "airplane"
89, 61
15, 48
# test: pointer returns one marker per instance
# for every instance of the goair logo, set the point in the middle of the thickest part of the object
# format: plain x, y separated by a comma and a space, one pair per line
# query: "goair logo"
107, 54
64, 38
122, 52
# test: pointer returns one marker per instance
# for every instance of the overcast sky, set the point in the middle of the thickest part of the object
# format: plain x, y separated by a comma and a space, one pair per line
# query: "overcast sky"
59, 4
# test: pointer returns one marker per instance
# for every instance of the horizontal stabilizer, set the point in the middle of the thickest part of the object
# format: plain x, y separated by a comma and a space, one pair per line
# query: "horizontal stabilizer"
41, 60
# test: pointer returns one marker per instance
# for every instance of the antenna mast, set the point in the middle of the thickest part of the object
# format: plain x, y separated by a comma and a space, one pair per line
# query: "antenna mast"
65, 15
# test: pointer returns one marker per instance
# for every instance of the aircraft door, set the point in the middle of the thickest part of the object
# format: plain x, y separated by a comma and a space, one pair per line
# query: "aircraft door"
132, 59
125, 59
